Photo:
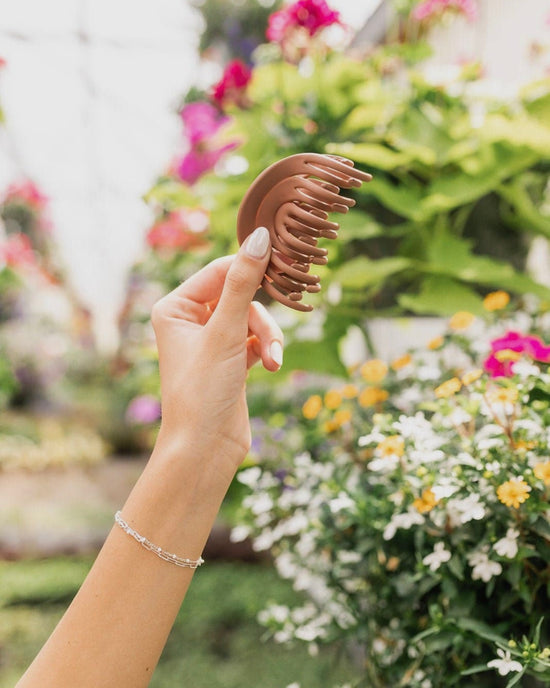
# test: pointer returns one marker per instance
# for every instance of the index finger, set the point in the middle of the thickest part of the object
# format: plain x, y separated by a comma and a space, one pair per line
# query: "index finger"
206, 285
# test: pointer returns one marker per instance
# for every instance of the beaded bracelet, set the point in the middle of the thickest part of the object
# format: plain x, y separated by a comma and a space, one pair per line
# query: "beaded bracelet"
163, 554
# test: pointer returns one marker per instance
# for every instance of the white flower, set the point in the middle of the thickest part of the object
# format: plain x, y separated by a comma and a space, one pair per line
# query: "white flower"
239, 533
249, 476
507, 546
406, 520
340, 503
437, 557
464, 510
505, 664
346, 557
482, 567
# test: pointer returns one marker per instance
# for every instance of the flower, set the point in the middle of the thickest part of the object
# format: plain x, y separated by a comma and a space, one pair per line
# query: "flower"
482, 567
17, 252
505, 664
202, 123
25, 192
461, 320
143, 409
312, 407
311, 15
428, 10
439, 556
508, 545
371, 396
333, 399
448, 388
435, 343
401, 362
391, 446
496, 300
542, 472
231, 88
513, 341
513, 492
374, 371
426, 502
182, 229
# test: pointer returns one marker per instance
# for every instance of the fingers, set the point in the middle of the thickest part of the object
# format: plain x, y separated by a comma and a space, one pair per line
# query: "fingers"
241, 283
269, 346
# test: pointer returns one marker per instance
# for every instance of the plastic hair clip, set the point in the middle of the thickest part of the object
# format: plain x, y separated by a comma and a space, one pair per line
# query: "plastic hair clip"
293, 198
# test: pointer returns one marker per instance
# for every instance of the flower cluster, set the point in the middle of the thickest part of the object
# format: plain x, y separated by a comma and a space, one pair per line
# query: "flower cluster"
231, 88
203, 123
415, 514
180, 230
429, 10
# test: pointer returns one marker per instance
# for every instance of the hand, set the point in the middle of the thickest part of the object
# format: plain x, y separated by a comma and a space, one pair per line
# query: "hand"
209, 333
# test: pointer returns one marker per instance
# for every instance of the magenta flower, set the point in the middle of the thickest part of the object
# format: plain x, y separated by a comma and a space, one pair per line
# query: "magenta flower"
231, 88
434, 9
198, 161
202, 121
143, 409
25, 192
501, 365
311, 15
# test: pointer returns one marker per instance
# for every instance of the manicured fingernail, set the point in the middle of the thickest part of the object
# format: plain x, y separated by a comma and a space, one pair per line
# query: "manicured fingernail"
258, 243
276, 351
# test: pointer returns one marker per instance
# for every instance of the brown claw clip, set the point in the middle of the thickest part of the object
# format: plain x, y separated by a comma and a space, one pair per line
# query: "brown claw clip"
293, 198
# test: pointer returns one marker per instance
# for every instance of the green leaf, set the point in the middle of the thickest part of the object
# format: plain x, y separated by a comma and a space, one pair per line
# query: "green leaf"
442, 296
358, 225
319, 356
475, 670
520, 132
371, 154
170, 193
479, 628
529, 216
362, 272
516, 679
402, 200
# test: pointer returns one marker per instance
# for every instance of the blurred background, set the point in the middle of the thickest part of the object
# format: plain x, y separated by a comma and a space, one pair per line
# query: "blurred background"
129, 132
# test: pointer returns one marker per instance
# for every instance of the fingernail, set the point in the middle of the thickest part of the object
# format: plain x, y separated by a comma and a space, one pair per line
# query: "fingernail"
276, 351
258, 243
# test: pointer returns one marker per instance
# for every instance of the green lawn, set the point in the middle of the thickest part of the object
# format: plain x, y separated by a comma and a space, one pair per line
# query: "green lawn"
215, 643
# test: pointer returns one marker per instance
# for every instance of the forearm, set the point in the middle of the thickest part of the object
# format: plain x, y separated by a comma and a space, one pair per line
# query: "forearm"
113, 633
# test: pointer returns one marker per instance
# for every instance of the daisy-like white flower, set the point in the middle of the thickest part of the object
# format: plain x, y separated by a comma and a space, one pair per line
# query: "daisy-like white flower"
508, 545
505, 664
439, 556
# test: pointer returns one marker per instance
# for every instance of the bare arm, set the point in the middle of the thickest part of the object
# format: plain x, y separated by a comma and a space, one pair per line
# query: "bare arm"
208, 334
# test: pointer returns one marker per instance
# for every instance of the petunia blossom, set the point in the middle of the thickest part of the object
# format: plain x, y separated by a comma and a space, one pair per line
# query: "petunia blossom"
201, 121
500, 362
312, 15
231, 88
197, 162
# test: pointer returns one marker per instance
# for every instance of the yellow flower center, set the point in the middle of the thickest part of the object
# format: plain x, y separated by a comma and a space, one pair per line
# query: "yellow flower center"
461, 320
402, 362
333, 399
507, 355
312, 407
371, 396
448, 388
542, 472
374, 371
394, 445
426, 502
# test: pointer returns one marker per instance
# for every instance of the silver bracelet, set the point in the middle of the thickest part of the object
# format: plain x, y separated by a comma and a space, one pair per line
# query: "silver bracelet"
163, 554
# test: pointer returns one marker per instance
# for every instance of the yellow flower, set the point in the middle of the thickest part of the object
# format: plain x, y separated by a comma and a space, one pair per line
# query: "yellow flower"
503, 395
472, 376
371, 396
426, 502
330, 426
507, 355
461, 320
448, 388
513, 492
333, 399
435, 343
393, 445
312, 407
496, 300
402, 362
542, 472
349, 391
374, 371
342, 417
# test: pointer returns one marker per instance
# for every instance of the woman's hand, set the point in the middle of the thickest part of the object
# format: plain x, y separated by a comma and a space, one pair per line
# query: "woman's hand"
209, 333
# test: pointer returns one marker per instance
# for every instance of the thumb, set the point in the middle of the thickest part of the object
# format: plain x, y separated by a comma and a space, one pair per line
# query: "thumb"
242, 281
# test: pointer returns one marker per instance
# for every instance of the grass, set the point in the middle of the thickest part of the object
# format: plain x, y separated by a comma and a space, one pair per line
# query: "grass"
215, 643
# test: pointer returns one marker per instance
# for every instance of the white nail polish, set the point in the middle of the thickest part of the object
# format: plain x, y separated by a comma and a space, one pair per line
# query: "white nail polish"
276, 351
258, 243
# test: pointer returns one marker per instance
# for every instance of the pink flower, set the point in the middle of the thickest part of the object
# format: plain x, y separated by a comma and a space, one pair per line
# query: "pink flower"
25, 192
434, 9
201, 121
3, 62
503, 365
231, 88
311, 15
180, 230
143, 409
16, 251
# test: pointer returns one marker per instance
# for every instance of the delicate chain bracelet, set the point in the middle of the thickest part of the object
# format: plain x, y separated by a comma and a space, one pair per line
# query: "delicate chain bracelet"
163, 554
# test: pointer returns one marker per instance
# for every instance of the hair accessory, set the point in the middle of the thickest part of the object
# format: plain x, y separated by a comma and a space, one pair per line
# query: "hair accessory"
293, 198
167, 556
